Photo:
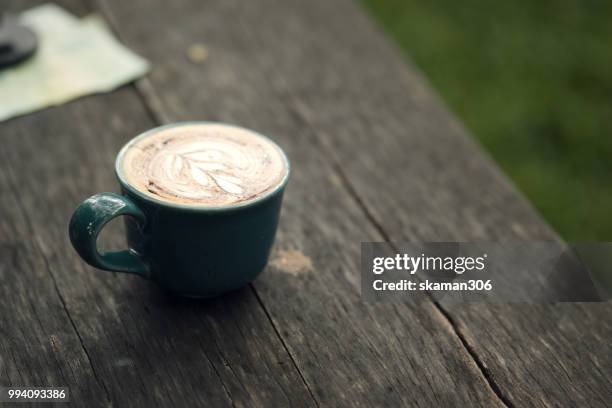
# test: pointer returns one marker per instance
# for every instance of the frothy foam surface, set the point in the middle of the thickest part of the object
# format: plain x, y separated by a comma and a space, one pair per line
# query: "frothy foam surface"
203, 164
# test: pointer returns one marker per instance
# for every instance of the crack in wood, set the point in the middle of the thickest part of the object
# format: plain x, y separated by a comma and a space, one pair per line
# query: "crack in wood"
282, 340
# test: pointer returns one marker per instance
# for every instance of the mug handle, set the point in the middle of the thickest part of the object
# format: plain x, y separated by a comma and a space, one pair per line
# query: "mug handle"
88, 220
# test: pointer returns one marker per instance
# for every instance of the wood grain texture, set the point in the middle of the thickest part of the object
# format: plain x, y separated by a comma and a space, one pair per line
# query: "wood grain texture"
383, 137
38, 343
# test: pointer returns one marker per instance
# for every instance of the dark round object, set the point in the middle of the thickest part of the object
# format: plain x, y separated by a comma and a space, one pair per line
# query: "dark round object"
17, 42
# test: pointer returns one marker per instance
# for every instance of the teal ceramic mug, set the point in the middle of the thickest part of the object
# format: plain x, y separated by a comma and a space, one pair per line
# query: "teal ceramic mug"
195, 251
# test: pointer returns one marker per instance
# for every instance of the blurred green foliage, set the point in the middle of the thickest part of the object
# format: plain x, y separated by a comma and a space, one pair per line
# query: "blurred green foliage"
532, 80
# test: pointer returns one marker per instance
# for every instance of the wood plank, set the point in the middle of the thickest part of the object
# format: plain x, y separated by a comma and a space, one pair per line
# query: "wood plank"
418, 176
349, 352
113, 338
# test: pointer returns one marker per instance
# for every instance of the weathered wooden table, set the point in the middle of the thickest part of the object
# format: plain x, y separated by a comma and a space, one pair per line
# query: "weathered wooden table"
375, 156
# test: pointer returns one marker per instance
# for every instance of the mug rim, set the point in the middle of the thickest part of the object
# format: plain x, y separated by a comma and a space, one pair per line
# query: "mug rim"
199, 207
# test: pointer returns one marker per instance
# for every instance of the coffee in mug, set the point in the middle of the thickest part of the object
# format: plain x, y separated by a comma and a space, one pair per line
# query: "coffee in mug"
202, 202
203, 164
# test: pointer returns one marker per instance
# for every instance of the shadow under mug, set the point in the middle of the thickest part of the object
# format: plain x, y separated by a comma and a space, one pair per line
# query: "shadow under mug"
195, 251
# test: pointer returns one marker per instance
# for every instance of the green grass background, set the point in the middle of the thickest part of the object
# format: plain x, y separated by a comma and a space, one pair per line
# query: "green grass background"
533, 81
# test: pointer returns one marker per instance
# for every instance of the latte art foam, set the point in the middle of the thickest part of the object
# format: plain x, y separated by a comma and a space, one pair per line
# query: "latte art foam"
203, 164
